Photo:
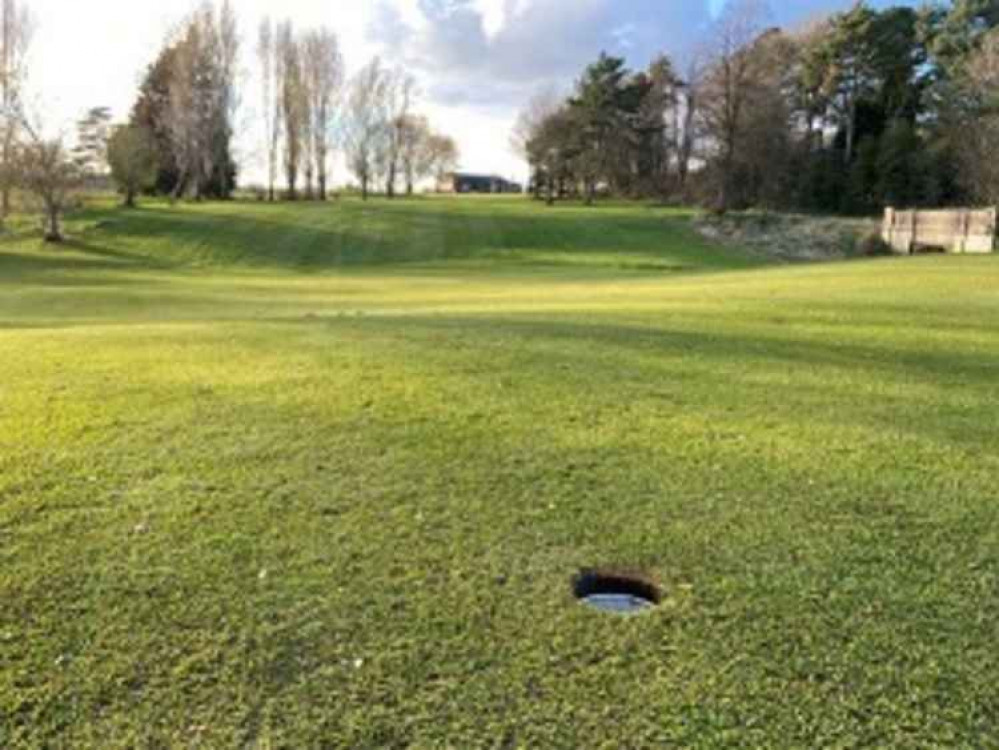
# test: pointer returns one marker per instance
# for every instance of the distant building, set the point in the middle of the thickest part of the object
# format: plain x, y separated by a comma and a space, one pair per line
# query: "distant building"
462, 182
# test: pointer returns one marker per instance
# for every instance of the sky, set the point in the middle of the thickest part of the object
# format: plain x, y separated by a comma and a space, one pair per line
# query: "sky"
477, 61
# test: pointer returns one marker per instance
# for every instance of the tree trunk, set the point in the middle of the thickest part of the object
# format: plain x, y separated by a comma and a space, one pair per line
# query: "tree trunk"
53, 229
178, 189
364, 188
129, 198
851, 129
5, 189
321, 175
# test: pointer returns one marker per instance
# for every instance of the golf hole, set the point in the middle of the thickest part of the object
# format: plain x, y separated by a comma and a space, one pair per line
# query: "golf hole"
616, 591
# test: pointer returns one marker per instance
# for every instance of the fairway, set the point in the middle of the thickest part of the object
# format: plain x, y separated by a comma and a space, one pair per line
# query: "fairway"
321, 476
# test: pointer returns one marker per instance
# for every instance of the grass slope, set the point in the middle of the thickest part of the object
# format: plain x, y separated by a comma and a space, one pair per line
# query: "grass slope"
320, 476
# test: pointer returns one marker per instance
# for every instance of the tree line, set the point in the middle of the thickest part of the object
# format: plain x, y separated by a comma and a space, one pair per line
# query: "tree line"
180, 136
385, 141
847, 114
309, 111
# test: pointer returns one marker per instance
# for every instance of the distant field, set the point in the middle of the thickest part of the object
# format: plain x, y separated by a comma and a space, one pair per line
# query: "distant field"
320, 475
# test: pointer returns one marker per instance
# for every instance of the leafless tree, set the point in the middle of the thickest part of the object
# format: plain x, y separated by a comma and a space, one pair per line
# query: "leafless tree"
323, 75
539, 108
687, 118
415, 155
226, 50
528, 126
443, 156
277, 105
729, 77
769, 127
976, 127
203, 97
187, 121
16, 28
45, 168
400, 90
366, 122
551, 150
306, 121
292, 102
271, 112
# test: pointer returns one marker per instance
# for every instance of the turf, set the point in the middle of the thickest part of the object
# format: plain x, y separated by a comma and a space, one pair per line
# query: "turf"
320, 476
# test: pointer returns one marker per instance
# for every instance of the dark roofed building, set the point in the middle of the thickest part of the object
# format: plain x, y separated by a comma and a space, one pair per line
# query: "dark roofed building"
463, 182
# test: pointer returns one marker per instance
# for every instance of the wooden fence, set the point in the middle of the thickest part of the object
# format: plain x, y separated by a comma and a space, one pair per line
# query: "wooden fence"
956, 231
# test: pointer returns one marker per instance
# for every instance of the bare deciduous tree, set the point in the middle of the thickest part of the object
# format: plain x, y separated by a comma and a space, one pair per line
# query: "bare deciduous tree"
185, 113
307, 122
324, 77
366, 122
268, 70
45, 168
226, 52
203, 98
293, 101
528, 126
16, 27
553, 150
728, 82
688, 116
443, 156
976, 127
415, 156
399, 94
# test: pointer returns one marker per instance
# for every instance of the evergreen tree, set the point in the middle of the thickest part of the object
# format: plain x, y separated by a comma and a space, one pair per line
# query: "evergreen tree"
865, 188
898, 166
596, 110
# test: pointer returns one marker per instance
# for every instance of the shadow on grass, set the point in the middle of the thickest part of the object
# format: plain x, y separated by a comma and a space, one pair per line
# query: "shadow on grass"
843, 384
76, 262
936, 365
116, 257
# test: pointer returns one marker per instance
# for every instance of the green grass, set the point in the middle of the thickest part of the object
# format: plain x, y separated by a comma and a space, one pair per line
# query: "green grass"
319, 476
